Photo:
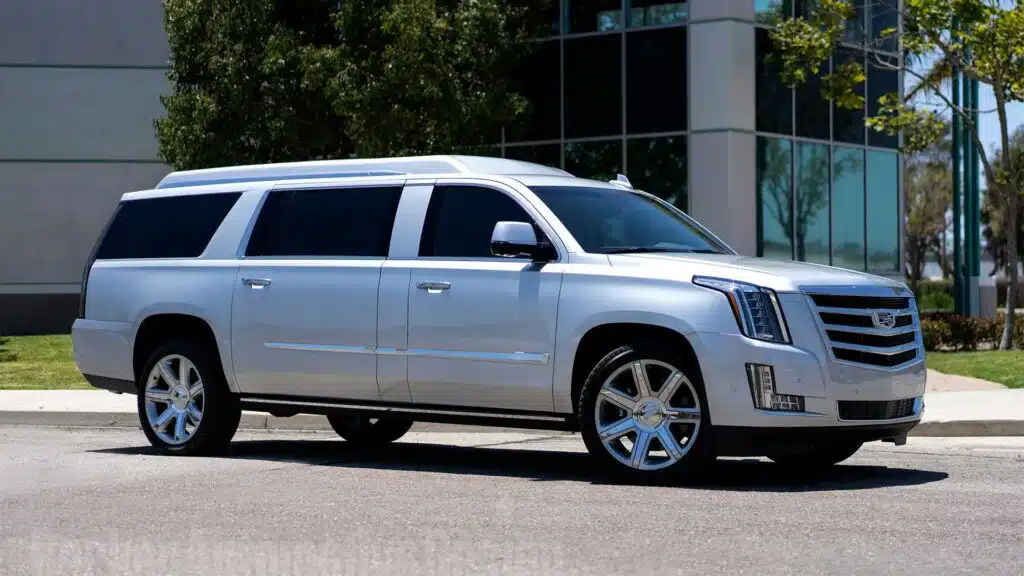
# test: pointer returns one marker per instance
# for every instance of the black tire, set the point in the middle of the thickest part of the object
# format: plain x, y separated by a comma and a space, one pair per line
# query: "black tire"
367, 431
698, 455
221, 411
818, 457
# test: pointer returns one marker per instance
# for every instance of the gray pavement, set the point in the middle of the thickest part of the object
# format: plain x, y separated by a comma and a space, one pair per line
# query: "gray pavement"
100, 501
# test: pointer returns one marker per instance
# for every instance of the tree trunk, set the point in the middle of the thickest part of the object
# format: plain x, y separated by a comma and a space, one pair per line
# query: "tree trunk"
1012, 201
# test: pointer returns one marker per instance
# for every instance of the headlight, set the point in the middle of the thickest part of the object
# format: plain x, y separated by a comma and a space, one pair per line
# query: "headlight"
756, 309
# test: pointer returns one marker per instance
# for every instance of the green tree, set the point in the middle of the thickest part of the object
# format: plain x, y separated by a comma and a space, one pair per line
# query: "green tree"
982, 38
424, 76
928, 195
993, 208
256, 81
240, 94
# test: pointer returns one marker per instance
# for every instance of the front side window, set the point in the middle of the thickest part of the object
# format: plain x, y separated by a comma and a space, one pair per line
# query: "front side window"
617, 221
344, 222
460, 221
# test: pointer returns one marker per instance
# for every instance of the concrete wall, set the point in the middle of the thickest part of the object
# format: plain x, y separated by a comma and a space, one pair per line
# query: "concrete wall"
80, 82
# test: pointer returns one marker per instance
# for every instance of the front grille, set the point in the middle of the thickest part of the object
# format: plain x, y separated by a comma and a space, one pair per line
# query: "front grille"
857, 329
876, 410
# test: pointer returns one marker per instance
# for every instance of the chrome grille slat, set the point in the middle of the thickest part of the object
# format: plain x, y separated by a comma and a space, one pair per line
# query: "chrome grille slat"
851, 317
886, 351
869, 331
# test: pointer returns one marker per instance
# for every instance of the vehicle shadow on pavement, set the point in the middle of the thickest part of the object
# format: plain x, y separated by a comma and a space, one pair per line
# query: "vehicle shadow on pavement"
547, 465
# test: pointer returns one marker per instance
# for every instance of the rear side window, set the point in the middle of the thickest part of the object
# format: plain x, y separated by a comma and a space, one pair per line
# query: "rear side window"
167, 227
337, 222
461, 219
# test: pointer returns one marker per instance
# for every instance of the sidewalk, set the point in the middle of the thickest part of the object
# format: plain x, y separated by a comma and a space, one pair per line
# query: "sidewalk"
954, 406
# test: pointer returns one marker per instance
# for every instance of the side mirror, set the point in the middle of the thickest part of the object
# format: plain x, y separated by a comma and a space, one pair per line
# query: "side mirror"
518, 240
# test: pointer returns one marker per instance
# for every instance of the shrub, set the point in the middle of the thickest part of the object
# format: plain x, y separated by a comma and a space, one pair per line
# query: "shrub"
935, 334
935, 301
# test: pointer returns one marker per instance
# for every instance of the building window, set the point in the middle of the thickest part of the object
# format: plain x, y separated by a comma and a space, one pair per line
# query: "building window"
812, 109
593, 16
656, 81
855, 28
775, 198
848, 208
774, 100
595, 160
847, 124
593, 86
812, 203
881, 81
538, 80
883, 212
546, 154
644, 13
768, 10
884, 16
658, 166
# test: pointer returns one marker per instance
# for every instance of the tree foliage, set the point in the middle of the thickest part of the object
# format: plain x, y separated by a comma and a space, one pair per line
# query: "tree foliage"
258, 81
993, 208
984, 39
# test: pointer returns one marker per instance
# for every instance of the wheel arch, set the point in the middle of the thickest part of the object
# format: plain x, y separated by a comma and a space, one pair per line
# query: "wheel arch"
602, 338
162, 327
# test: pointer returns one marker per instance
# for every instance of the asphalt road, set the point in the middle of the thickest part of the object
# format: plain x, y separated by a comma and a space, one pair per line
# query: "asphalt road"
90, 501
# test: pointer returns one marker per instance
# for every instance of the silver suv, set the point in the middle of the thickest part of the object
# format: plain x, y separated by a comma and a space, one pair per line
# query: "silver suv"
485, 291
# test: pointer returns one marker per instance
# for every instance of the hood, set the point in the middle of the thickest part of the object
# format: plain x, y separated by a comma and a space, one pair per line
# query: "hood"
779, 275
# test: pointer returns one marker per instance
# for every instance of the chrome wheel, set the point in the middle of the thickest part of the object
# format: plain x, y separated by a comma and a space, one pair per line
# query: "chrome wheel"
647, 427
174, 399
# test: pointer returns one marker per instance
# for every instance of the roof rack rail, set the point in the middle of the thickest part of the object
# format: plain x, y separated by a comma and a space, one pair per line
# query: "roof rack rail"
356, 167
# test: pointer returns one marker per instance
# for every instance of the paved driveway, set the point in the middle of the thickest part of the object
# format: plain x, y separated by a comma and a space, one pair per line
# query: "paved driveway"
101, 502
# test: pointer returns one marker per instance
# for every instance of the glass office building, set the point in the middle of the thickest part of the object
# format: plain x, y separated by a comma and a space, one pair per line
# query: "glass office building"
675, 94
680, 97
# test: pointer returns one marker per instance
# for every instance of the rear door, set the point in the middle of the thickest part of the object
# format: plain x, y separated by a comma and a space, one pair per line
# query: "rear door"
304, 318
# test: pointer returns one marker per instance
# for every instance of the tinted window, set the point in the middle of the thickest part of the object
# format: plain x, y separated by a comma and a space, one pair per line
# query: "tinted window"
848, 124
597, 160
848, 208
775, 198
610, 220
461, 219
881, 81
538, 79
658, 166
593, 82
812, 109
656, 81
883, 212
345, 222
812, 215
774, 100
168, 227
545, 154
656, 13
593, 15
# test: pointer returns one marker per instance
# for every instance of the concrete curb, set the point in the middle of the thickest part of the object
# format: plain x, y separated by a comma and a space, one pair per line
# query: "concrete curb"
311, 422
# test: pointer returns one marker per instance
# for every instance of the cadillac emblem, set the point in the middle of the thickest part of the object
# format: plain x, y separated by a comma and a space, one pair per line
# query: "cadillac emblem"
885, 320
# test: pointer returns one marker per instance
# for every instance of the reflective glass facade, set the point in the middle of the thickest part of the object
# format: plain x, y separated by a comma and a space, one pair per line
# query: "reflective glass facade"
828, 187
608, 94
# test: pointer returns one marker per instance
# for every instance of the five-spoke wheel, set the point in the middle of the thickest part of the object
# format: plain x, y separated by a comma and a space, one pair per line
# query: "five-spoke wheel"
641, 411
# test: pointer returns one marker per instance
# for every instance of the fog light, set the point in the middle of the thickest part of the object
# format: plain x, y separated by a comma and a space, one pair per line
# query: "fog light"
762, 388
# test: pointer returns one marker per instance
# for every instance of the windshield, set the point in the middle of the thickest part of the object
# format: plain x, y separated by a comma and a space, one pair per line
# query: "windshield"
617, 221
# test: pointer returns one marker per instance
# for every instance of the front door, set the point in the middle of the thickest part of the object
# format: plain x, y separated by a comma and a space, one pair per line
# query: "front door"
304, 312
481, 328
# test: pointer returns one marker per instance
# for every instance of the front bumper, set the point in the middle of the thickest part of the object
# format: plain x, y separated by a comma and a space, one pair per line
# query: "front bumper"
747, 441
799, 370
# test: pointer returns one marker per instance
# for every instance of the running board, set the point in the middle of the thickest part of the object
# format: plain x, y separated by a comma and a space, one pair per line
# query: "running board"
440, 414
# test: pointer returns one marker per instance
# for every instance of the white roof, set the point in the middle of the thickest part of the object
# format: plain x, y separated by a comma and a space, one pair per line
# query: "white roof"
411, 165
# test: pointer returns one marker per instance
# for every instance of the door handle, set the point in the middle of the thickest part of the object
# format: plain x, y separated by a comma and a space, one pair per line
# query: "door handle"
434, 287
256, 283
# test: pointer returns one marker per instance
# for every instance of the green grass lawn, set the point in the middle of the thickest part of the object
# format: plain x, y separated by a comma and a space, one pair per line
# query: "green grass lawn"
45, 363
38, 363
1006, 368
